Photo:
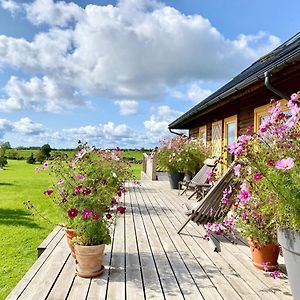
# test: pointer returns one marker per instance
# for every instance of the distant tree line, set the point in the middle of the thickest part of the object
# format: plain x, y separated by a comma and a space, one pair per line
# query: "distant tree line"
41, 154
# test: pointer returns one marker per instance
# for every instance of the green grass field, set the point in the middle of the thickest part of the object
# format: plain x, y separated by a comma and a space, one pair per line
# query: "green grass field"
20, 231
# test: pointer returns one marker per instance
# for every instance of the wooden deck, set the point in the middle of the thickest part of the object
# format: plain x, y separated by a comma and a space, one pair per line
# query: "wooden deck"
149, 260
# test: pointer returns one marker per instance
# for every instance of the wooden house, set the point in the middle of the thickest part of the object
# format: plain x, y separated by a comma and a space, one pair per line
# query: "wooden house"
243, 102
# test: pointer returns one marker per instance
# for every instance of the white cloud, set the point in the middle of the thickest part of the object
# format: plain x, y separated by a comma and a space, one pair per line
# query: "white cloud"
135, 50
194, 93
158, 122
59, 13
26, 126
127, 107
10, 5
110, 130
45, 94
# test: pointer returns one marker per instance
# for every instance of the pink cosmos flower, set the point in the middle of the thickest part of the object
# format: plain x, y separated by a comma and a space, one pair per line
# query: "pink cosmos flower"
38, 170
46, 165
78, 188
225, 199
86, 214
237, 170
60, 181
245, 195
270, 163
48, 192
79, 176
81, 153
72, 212
294, 97
236, 148
121, 209
244, 216
114, 202
276, 274
244, 138
271, 198
257, 177
265, 266
285, 164
226, 222
73, 163
210, 175
95, 217
86, 191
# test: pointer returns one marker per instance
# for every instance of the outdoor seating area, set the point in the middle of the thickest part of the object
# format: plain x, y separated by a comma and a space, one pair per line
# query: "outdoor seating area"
147, 259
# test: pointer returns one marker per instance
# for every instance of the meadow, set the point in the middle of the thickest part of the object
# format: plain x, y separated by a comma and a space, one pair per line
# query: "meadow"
21, 232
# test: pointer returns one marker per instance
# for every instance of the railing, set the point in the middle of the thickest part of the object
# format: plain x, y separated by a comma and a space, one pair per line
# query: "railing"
149, 167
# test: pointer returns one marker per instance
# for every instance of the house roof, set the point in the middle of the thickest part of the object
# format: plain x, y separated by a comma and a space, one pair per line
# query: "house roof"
281, 56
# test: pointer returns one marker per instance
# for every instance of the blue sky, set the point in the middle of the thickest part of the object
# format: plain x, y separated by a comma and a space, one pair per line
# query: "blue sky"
116, 73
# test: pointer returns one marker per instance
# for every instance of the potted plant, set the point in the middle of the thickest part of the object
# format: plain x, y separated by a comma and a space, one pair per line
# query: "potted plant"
280, 133
274, 154
88, 189
253, 216
180, 155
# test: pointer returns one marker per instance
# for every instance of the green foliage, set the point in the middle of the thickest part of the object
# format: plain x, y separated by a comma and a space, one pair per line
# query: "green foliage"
40, 156
271, 172
45, 150
20, 231
86, 188
181, 154
31, 159
3, 162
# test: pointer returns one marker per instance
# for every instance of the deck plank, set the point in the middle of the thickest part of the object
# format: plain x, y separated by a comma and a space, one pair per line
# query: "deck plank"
134, 280
64, 281
220, 282
41, 284
201, 279
116, 281
149, 260
264, 286
34, 270
151, 277
182, 273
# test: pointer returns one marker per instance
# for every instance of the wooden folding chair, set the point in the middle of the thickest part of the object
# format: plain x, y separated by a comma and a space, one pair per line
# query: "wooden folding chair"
199, 182
210, 209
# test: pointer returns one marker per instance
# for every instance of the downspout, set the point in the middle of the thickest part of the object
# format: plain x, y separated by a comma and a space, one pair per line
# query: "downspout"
270, 87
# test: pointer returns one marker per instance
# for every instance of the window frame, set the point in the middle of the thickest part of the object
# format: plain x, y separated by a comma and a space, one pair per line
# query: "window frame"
229, 120
262, 111
202, 130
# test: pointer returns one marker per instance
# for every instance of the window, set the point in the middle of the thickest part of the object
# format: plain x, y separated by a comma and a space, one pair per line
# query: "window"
261, 113
202, 134
230, 135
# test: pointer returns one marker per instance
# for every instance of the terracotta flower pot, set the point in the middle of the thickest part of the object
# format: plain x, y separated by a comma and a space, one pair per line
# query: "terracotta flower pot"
70, 233
89, 260
264, 257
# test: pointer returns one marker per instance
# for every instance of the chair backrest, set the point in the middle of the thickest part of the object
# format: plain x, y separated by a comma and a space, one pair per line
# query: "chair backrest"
210, 207
202, 176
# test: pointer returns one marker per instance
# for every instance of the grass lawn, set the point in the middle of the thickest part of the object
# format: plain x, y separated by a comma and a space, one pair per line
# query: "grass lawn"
20, 232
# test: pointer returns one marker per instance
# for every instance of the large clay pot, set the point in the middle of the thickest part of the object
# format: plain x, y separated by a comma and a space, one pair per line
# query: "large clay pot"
264, 257
290, 244
174, 178
70, 233
89, 260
